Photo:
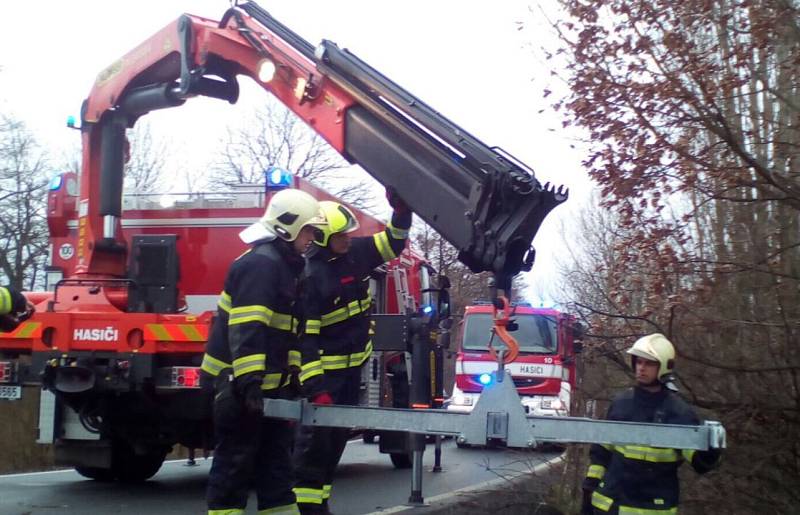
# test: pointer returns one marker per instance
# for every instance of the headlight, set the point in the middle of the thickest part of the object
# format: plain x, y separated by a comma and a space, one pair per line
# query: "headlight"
266, 70
556, 404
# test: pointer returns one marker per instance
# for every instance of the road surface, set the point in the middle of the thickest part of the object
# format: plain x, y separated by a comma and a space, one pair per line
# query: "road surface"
366, 482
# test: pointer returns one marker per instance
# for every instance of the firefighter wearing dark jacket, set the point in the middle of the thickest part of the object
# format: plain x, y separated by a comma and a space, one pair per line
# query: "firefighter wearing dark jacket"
252, 346
337, 304
14, 308
635, 479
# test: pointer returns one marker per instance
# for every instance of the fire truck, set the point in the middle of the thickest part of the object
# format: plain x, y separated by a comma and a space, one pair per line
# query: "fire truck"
543, 371
118, 339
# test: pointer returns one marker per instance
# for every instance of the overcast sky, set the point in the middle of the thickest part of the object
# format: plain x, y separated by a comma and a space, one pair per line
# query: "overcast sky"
467, 59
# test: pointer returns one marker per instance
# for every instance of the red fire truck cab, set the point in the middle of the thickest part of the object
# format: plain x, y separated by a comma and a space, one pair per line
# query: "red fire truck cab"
544, 370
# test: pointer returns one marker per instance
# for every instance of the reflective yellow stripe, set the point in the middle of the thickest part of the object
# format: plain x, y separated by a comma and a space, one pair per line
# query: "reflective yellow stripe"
396, 233
354, 308
601, 502
212, 365
650, 454
227, 511
256, 313
596, 471
630, 510
313, 326
326, 491
5, 301
26, 330
271, 381
289, 509
251, 363
335, 362
294, 358
384, 248
309, 495
159, 331
688, 454
224, 302
356, 359
311, 369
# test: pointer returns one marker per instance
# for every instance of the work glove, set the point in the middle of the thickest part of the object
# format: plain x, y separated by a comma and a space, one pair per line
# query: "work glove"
322, 398
708, 459
398, 204
248, 390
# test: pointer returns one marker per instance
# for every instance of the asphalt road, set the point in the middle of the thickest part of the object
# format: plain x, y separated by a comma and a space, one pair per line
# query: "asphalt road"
366, 482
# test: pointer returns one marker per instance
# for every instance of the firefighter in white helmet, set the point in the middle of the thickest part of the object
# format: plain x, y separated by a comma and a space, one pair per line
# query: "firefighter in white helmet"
640, 479
250, 354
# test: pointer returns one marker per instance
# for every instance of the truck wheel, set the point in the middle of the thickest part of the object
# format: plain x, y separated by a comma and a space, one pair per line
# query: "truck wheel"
401, 460
463, 445
96, 473
130, 467
368, 437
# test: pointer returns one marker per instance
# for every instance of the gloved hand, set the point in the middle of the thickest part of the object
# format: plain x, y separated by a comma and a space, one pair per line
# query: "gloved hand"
586, 504
398, 204
322, 398
708, 459
248, 389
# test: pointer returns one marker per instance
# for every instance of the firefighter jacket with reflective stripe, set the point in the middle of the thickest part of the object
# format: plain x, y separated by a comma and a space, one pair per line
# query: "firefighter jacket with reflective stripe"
640, 479
11, 301
336, 295
255, 330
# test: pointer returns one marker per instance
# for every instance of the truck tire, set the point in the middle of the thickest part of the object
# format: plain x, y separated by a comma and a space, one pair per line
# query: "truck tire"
130, 467
401, 460
96, 473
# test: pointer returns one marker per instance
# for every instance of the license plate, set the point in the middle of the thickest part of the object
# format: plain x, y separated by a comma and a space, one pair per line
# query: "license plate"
10, 393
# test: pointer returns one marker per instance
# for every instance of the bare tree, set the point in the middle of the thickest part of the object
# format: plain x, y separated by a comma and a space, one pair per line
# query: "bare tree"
692, 109
146, 164
466, 286
274, 136
23, 181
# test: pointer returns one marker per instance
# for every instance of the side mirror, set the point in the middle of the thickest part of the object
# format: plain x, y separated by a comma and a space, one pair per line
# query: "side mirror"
578, 331
444, 282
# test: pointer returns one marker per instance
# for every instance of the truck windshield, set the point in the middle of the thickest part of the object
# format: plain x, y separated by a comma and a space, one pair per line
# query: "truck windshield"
536, 333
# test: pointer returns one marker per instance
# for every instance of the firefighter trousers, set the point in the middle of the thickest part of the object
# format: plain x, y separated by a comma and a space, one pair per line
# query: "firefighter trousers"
252, 452
319, 449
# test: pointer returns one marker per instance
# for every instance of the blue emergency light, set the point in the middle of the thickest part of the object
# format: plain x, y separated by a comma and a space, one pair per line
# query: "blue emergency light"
427, 309
485, 379
55, 183
278, 178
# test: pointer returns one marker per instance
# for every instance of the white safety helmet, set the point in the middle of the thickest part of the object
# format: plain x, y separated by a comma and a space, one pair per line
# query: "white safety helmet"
287, 213
654, 347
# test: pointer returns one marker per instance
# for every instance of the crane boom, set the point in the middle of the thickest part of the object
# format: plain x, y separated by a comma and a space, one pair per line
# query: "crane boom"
479, 198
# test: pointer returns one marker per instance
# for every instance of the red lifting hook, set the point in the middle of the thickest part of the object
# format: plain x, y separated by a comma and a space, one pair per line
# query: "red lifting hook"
501, 318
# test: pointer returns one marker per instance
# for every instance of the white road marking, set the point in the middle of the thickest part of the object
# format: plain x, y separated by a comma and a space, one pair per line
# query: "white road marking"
486, 484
